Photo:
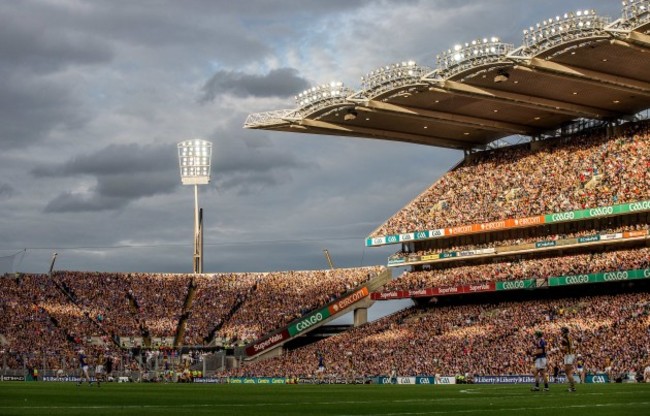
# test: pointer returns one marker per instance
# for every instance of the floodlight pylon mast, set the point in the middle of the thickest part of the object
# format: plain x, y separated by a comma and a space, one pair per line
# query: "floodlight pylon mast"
329, 259
194, 159
198, 255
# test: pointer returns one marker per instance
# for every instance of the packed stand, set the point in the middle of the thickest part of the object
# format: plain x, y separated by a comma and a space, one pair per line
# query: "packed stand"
54, 316
215, 299
610, 334
40, 325
281, 297
584, 171
104, 297
519, 269
128, 304
159, 298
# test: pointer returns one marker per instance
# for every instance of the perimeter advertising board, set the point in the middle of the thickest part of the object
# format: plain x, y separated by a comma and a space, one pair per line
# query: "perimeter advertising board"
583, 214
267, 343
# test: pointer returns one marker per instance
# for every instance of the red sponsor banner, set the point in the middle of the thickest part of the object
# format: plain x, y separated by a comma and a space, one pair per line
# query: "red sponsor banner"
450, 290
483, 287
348, 300
434, 291
420, 293
395, 294
631, 234
265, 344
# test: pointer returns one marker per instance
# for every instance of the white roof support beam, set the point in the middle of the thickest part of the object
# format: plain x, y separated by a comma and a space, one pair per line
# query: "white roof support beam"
347, 130
528, 101
443, 117
589, 77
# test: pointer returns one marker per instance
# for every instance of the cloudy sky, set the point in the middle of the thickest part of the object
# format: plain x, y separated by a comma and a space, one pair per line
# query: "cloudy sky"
95, 95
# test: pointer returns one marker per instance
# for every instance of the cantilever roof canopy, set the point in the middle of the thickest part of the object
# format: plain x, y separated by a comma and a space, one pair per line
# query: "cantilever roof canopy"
575, 66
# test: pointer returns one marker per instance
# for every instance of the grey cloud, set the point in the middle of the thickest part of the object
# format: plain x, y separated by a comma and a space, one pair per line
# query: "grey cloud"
51, 46
69, 202
30, 108
125, 173
281, 82
6, 190
115, 191
34, 45
115, 159
250, 162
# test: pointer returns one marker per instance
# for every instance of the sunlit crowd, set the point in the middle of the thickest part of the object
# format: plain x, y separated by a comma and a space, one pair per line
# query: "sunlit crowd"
573, 173
55, 316
610, 334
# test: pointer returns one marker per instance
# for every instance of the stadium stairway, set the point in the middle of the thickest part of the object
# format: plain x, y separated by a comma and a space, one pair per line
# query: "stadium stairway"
69, 294
371, 285
134, 308
210, 338
185, 313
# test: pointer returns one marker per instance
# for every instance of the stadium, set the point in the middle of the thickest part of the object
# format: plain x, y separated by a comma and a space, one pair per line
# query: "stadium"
546, 233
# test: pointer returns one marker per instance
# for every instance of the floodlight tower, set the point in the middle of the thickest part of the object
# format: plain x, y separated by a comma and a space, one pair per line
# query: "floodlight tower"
194, 159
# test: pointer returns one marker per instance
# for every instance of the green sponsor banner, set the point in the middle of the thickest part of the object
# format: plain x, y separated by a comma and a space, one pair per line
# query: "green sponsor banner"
639, 206
600, 277
589, 239
516, 284
256, 380
542, 244
598, 212
572, 280
308, 321
448, 255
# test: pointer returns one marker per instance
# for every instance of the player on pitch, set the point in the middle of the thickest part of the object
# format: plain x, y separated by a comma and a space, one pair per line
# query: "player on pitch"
540, 361
569, 357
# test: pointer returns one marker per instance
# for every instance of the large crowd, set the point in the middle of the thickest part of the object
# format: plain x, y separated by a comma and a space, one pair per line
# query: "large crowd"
488, 339
215, 299
55, 316
286, 297
522, 268
589, 170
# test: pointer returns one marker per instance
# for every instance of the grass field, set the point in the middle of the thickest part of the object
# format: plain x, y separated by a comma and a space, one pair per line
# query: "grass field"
50, 399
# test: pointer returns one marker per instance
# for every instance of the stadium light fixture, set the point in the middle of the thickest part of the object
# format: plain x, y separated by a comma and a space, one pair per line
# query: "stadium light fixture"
636, 11
472, 54
390, 77
194, 160
560, 29
322, 96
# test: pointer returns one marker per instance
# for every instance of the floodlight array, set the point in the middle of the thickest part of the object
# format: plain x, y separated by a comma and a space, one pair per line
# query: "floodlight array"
470, 55
269, 118
194, 158
393, 76
561, 29
636, 12
326, 95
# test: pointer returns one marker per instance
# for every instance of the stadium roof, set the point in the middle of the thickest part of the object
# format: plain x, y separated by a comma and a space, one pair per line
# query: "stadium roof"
570, 67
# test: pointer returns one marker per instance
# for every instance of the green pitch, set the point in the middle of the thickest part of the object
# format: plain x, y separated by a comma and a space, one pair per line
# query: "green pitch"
50, 399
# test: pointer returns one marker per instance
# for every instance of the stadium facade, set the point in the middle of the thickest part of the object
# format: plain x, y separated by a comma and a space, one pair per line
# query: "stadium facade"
514, 239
